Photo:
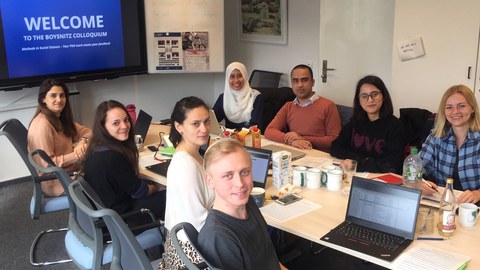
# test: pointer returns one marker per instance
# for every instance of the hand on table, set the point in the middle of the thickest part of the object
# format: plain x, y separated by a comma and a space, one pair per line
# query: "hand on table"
470, 196
291, 136
426, 190
302, 144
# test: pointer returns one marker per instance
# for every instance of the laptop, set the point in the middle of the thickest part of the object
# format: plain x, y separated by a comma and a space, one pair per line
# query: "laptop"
142, 124
296, 154
260, 165
377, 208
160, 168
215, 127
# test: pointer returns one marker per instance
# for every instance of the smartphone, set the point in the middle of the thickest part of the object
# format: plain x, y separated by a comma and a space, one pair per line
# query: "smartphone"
288, 199
152, 148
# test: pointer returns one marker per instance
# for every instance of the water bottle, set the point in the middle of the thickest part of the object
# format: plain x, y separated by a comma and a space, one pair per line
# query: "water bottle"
446, 214
412, 169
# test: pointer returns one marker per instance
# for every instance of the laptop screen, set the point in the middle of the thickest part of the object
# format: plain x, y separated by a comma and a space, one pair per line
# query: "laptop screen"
142, 124
385, 207
260, 165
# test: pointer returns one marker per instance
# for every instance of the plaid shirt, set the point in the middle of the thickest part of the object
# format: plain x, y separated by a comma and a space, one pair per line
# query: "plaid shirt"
439, 155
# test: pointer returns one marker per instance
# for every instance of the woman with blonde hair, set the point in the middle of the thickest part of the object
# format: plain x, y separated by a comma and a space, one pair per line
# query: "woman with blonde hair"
451, 150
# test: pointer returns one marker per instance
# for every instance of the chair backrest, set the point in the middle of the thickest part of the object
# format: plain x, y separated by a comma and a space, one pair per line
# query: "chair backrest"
192, 236
263, 78
127, 252
274, 99
418, 124
17, 134
345, 112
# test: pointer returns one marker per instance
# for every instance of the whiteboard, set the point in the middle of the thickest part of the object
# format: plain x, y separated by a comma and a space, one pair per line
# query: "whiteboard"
185, 36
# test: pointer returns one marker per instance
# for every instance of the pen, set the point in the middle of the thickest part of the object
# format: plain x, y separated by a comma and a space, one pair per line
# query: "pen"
432, 238
428, 184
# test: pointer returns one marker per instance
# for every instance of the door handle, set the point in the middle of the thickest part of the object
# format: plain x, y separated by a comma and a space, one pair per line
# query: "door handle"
325, 69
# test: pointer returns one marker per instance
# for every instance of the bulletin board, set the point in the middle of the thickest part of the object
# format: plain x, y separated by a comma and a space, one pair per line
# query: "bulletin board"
185, 36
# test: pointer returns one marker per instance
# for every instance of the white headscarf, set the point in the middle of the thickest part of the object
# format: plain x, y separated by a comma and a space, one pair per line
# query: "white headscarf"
238, 105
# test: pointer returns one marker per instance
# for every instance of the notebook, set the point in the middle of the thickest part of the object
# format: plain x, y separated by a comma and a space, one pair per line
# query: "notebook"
160, 168
296, 154
142, 124
375, 207
260, 165
215, 127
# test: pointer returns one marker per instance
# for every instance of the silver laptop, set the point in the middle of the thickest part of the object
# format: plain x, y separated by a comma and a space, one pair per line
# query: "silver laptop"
215, 127
296, 154
260, 165
377, 209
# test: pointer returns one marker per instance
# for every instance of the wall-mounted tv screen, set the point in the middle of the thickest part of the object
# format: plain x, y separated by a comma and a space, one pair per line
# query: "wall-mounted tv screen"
70, 40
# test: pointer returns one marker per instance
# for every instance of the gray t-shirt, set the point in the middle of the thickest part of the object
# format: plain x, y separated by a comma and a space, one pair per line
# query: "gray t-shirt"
231, 243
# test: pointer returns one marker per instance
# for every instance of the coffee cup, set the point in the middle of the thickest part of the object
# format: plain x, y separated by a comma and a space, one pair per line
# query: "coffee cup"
467, 214
258, 195
299, 176
313, 178
334, 180
325, 169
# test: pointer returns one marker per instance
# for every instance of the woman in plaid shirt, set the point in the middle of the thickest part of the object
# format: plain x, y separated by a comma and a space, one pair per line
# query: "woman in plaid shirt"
452, 150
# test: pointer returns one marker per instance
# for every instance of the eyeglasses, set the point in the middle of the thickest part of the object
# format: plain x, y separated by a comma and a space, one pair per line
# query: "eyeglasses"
374, 95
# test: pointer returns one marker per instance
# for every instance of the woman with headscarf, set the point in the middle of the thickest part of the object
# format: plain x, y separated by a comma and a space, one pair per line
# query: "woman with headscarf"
240, 105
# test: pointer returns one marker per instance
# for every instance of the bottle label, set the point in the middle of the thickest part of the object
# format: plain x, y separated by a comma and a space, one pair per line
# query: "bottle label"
448, 222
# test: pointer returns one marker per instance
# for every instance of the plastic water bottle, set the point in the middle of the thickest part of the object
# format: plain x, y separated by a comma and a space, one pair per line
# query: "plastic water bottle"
412, 169
446, 214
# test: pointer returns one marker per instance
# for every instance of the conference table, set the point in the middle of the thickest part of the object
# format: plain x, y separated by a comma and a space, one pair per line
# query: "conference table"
331, 209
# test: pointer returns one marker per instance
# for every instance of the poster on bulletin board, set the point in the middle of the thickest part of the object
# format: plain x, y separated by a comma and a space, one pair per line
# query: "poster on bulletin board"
185, 36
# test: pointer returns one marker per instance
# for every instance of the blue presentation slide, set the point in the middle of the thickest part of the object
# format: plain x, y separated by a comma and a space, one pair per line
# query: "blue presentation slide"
64, 36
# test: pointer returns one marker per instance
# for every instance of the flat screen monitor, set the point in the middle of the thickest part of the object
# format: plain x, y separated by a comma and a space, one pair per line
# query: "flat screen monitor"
70, 40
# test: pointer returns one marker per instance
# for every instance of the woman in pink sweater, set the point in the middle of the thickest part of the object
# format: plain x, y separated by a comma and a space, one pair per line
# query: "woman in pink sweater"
53, 130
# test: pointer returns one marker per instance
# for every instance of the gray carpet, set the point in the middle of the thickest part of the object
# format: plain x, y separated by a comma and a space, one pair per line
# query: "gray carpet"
19, 230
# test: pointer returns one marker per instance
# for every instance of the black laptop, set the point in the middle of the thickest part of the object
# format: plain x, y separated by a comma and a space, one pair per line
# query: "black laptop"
142, 124
380, 219
260, 165
160, 168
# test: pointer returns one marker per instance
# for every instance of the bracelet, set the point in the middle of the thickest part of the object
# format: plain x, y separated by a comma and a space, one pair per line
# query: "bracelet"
84, 139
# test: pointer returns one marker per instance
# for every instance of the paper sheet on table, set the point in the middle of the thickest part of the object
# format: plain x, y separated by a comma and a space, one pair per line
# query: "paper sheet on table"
434, 199
313, 162
285, 212
425, 258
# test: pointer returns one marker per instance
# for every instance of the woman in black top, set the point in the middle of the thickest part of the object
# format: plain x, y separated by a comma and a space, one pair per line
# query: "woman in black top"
111, 164
373, 137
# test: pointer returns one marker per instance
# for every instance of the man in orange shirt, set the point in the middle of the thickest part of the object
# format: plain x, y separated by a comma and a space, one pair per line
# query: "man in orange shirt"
309, 121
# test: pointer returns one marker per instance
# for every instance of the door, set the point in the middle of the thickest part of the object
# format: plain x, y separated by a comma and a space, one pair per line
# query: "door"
355, 40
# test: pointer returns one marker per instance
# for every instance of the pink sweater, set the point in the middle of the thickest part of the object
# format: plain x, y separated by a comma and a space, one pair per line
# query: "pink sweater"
318, 123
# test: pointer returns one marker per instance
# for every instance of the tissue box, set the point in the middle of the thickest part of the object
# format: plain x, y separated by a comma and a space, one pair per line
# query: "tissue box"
281, 165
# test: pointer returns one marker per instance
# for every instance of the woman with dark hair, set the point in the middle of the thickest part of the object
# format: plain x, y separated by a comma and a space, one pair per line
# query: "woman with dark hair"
53, 130
188, 196
373, 137
111, 164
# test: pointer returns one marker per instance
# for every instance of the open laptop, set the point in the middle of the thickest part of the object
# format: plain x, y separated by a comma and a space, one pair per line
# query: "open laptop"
215, 127
142, 124
260, 165
160, 168
375, 207
296, 154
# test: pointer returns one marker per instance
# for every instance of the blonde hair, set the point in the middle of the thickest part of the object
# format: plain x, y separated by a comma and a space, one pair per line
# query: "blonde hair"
441, 123
220, 149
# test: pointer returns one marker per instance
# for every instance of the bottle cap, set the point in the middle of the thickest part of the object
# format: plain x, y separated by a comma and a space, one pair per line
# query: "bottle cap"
413, 150
449, 180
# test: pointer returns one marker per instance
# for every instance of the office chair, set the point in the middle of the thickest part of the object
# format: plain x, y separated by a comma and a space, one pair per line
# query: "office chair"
124, 252
345, 112
265, 79
16, 133
192, 236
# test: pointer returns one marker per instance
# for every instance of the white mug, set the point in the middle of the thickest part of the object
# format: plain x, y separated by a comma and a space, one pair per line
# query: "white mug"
313, 178
467, 214
334, 182
325, 170
299, 176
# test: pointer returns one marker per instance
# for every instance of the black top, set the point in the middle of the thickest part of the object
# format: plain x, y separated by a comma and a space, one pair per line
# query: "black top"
377, 146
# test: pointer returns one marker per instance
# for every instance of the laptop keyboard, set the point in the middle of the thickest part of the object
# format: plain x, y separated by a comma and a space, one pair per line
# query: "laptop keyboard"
377, 238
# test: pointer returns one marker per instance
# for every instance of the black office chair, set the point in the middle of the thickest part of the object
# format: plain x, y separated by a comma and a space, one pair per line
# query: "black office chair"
16, 132
192, 236
263, 78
